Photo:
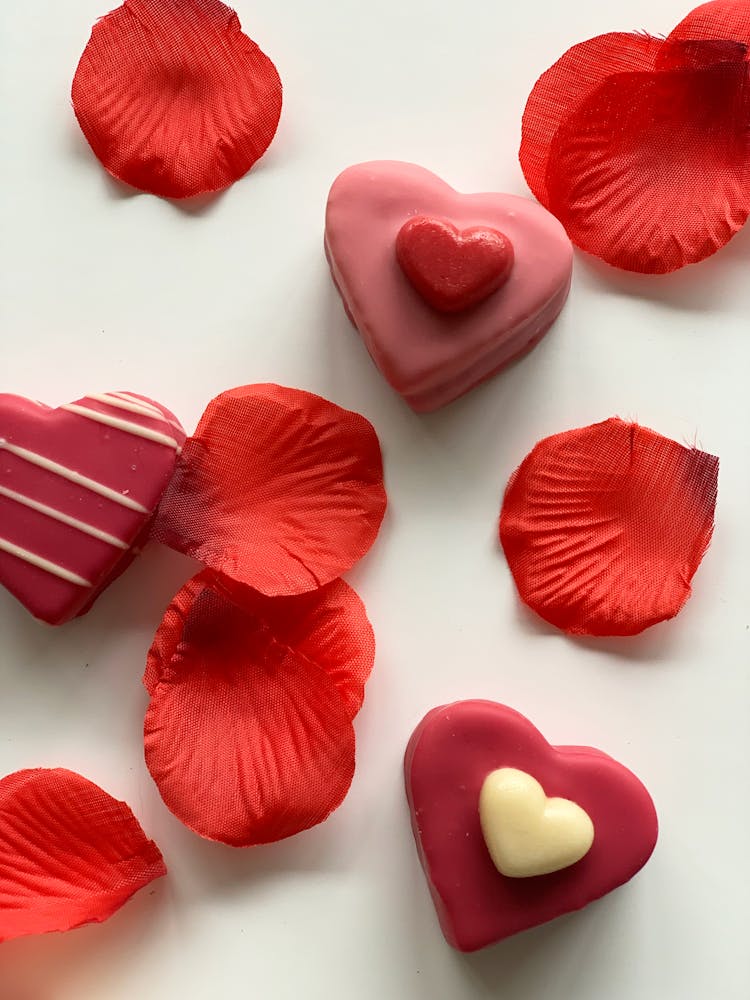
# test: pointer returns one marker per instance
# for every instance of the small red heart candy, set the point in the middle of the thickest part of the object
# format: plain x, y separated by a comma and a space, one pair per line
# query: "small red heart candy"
453, 269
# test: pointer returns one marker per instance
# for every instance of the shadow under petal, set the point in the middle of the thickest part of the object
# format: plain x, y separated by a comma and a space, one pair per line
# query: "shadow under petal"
701, 287
37, 968
656, 644
199, 205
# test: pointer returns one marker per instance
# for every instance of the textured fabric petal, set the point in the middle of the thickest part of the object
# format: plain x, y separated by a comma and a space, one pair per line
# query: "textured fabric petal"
173, 98
559, 92
605, 526
652, 172
689, 53
328, 626
69, 853
249, 732
278, 489
721, 19
170, 632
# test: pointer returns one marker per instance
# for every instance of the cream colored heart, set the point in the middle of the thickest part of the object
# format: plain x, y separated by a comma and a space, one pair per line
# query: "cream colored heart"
525, 832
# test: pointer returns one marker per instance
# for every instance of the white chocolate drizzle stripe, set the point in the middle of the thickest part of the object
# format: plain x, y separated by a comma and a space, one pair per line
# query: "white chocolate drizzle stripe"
130, 398
74, 477
138, 430
126, 404
151, 407
58, 515
44, 564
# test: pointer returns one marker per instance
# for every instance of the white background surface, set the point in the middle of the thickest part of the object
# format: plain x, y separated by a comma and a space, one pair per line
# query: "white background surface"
103, 289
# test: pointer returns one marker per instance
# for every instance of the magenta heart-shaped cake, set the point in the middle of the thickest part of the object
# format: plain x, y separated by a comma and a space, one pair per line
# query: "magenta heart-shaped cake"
78, 487
446, 289
513, 832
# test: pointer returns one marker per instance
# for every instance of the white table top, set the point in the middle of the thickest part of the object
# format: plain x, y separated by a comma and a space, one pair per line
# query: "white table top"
103, 289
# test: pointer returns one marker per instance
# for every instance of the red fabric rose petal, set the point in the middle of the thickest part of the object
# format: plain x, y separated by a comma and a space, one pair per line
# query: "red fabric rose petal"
719, 20
69, 853
605, 526
560, 91
277, 489
249, 733
687, 53
319, 625
651, 172
173, 98
641, 146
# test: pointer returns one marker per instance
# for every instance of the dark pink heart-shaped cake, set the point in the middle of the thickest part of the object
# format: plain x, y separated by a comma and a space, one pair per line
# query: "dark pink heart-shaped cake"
78, 487
446, 289
513, 832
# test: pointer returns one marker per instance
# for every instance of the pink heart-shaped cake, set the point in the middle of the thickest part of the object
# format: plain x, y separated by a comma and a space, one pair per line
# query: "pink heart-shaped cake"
78, 487
446, 289
513, 832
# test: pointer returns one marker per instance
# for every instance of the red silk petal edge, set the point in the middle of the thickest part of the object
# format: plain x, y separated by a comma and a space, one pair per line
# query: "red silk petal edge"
70, 854
604, 527
249, 734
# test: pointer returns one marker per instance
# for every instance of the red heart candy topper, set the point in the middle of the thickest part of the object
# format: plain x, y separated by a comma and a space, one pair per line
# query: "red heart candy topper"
453, 269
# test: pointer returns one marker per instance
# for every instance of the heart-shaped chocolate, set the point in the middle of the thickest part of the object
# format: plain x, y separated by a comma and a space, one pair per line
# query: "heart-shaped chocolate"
431, 356
453, 753
526, 832
453, 269
78, 487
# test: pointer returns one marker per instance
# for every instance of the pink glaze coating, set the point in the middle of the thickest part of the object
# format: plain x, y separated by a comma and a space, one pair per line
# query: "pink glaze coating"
449, 756
78, 487
428, 357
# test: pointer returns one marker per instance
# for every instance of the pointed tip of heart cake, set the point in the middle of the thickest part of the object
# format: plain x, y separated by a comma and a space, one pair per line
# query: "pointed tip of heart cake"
446, 289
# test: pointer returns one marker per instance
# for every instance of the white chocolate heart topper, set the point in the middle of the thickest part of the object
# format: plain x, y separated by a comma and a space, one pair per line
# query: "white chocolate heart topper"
526, 833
